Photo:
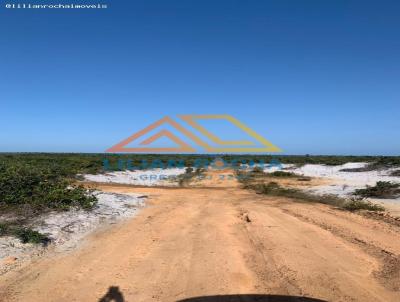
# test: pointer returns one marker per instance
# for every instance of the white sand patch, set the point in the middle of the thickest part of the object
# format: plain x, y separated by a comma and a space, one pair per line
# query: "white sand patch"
268, 168
274, 168
67, 229
345, 183
154, 177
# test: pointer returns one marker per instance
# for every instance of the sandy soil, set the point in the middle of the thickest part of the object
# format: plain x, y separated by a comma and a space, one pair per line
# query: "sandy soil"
221, 240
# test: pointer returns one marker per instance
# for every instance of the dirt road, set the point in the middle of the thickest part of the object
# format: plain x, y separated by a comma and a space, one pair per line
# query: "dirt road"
197, 242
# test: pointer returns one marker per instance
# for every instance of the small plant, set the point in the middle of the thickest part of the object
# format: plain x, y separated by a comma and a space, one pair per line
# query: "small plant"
282, 174
367, 168
360, 204
382, 189
304, 178
269, 188
189, 170
26, 235
189, 174
259, 172
3, 229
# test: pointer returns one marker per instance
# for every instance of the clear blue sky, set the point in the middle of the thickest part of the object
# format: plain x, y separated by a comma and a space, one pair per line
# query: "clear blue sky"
318, 77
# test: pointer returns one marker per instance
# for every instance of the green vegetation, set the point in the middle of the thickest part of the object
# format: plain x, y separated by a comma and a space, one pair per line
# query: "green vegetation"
359, 204
3, 229
252, 181
283, 174
74, 163
189, 175
257, 172
304, 178
26, 235
38, 188
274, 189
337, 160
382, 189
383, 162
32, 183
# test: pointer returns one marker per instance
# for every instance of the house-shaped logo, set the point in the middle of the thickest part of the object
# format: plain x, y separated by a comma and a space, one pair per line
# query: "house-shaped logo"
217, 144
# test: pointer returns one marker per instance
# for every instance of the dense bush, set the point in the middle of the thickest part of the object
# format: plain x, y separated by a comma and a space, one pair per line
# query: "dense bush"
40, 188
70, 164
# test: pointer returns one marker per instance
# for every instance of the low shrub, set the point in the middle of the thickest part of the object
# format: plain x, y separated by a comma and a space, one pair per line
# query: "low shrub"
367, 168
189, 174
3, 229
382, 189
395, 173
359, 204
379, 163
282, 174
26, 235
274, 189
304, 178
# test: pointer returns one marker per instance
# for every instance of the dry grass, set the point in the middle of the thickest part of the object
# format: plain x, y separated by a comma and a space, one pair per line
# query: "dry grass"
252, 181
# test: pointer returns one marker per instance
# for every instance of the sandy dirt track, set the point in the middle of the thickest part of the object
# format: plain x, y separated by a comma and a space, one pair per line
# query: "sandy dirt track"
197, 242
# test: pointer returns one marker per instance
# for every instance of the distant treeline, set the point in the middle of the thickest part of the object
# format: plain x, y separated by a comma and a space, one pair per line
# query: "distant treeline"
40, 181
70, 164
